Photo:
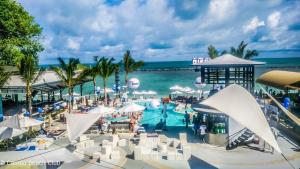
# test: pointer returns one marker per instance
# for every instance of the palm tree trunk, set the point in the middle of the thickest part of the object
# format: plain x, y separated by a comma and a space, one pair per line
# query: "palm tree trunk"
94, 84
28, 99
70, 93
105, 96
126, 80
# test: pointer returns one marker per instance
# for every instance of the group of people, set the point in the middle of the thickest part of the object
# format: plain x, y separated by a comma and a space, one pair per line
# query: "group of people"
199, 126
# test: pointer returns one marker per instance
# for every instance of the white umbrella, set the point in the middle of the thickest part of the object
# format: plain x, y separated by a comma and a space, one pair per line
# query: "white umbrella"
7, 132
186, 89
176, 92
144, 92
136, 93
176, 87
132, 107
150, 92
102, 110
29, 122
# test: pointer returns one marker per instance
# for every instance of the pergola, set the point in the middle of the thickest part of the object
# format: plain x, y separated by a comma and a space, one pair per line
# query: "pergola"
47, 83
228, 69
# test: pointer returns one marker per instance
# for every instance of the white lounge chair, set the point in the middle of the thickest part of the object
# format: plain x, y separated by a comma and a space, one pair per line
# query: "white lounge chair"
115, 154
122, 143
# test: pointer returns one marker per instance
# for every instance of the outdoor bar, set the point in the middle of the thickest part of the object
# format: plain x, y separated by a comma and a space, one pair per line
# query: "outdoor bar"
223, 71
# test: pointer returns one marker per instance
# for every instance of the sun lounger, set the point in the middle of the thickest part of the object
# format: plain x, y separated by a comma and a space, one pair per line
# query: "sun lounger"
171, 155
96, 155
137, 152
187, 152
115, 154
106, 151
122, 142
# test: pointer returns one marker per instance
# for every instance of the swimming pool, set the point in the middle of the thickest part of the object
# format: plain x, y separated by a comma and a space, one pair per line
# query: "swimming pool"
153, 116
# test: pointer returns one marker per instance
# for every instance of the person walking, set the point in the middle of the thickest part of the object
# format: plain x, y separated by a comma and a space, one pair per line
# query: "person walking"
202, 132
187, 119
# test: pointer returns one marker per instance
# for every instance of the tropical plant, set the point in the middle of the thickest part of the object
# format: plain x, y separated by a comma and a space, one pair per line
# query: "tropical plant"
106, 69
117, 78
130, 65
29, 72
93, 71
3, 76
240, 51
70, 75
19, 33
212, 52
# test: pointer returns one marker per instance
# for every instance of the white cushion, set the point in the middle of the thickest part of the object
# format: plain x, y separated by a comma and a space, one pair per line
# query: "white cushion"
122, 142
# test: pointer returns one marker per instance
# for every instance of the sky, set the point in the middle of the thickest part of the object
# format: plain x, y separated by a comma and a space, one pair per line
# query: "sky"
164, 30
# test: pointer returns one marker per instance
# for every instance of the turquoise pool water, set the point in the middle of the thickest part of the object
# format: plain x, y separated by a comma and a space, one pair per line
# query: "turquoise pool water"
153, 116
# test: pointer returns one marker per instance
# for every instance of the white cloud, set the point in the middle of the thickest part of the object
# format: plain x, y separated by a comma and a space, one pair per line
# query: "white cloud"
73, 44
221, 9
156, 29
253, 24
273, 19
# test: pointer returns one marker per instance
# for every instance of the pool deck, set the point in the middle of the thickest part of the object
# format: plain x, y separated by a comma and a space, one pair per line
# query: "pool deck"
203, 156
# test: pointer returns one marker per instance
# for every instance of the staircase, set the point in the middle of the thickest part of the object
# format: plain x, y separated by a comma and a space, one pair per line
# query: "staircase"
244, 138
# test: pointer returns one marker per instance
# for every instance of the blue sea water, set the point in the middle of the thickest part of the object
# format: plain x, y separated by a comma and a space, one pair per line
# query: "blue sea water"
160, 76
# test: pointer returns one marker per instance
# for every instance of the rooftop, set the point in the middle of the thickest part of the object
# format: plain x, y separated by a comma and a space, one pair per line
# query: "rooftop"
48, 81
228, 59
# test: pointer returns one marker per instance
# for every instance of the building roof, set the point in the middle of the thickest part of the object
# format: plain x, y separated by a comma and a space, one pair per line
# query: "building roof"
280, 79
228, 59
48, 81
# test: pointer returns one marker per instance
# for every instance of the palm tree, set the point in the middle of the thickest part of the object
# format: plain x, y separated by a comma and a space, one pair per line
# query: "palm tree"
130, 64
240, 51
117, 78
29, 72
3, 76
93, 71
212, 52
106, 69
67, 72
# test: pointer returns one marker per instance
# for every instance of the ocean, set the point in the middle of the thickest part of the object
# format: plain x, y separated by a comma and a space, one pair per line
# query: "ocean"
160, 76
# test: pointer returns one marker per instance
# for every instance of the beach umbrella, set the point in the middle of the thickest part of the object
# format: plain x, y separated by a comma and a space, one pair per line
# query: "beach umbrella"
186, 89
199, 92
133, 83
150, 92
176, 87
198, 83
176, 92
7, 132
132, 107
29, 122
136, 93
103, 110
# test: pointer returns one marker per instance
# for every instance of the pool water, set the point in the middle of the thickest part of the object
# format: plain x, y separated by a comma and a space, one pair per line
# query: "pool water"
153, 116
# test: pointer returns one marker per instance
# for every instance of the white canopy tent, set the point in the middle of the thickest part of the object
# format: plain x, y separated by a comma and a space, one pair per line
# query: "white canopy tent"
41, 156
240, 105
7, 132
20, 122
78, 123
132, 107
